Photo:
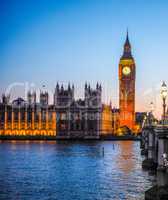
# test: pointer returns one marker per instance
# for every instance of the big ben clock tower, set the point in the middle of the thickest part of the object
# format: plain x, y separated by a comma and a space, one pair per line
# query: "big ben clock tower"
127, 87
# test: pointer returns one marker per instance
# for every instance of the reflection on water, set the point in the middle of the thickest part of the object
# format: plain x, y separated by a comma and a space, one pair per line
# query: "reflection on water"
126, 158
72, 170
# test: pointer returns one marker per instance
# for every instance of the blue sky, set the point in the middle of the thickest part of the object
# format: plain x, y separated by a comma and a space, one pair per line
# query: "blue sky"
45, 41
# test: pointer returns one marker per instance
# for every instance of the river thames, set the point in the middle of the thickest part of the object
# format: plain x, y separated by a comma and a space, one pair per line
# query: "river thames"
72, 170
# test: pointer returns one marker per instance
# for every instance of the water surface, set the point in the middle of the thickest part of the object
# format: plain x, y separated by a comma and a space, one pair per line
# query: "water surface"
72, 170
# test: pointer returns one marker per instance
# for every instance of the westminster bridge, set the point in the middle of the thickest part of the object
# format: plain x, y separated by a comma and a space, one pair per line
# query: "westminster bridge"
154, 147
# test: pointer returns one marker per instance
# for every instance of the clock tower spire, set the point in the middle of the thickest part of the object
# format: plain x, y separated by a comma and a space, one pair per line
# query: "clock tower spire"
127, 86
127, 48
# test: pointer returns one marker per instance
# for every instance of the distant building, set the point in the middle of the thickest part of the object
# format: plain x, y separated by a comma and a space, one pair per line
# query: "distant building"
110, 121
78, 118
107, 120
115, 121
71, 118
127, 74
30, 118
65, 118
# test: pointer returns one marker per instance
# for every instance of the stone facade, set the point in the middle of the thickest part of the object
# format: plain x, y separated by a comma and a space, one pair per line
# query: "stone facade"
66, 118
154, 144
78, 118
27, 118
127, 73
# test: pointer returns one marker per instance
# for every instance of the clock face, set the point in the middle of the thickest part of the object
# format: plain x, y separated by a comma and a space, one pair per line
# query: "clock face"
126, 70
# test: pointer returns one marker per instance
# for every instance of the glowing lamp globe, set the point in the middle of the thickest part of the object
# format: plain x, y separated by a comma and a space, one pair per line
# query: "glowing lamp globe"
164, 90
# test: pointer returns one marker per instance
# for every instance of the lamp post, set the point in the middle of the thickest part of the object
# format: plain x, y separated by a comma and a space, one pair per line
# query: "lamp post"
164, 95
151, 107
151, 113
165, 160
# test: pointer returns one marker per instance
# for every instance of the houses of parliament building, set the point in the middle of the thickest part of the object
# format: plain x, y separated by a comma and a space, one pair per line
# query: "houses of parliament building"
70, 118
66, 118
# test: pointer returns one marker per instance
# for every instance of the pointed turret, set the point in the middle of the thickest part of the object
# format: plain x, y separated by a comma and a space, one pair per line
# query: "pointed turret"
57, 86
62, 88
127, 40
97, 86
85, 85
69, 87
127, 49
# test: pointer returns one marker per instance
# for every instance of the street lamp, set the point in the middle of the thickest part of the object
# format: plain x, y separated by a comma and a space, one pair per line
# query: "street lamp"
165, 160
151, 107
150, 114
164, 95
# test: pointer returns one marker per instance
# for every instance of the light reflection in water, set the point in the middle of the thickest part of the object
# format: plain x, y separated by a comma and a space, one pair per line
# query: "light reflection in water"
71, 170
126, 158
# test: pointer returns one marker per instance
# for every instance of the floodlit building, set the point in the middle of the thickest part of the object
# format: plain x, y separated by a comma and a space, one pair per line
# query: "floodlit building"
66, 118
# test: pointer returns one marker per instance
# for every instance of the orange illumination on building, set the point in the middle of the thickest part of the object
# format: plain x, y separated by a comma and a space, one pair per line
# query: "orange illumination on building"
127, 71
26, 128
109, 120
106, 122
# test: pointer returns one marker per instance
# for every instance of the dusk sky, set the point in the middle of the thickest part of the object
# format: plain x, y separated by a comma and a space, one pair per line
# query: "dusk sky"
45, 41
